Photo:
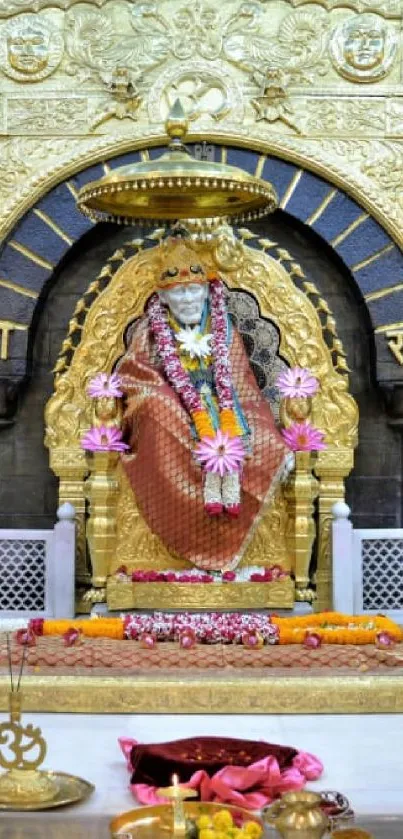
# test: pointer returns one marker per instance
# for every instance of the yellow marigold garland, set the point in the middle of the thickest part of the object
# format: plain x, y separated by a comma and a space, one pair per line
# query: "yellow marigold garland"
333, 628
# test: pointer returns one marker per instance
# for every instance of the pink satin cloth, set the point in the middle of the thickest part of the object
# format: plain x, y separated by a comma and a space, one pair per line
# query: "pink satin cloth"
252, 787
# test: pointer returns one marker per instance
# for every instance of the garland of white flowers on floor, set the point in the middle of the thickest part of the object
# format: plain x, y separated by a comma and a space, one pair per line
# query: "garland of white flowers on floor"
221, 453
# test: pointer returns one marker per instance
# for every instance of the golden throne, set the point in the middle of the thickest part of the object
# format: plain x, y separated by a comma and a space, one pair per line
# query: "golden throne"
111, 531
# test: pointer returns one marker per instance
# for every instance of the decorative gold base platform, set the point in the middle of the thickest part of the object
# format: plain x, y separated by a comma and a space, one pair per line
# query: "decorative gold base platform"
200, 596
209, 693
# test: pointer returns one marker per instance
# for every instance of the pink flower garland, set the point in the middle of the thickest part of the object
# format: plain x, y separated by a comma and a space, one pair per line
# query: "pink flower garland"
221, 362
208, 628
175, 373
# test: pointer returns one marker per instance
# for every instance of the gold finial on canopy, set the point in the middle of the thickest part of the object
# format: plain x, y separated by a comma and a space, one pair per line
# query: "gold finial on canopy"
176, 186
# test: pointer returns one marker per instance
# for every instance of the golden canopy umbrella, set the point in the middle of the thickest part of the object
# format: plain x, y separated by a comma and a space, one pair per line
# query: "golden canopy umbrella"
175, 186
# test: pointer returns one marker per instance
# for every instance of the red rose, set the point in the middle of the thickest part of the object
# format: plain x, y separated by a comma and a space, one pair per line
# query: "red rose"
147, 640
229, 576
252, 639
26, 637
187, 639
312, 640
383, 640
36, 625
71, 637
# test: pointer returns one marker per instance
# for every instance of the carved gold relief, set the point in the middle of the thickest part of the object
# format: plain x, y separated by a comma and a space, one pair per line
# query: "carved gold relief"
12, 7
363, 48
203, 693
276, 595
388, 8
47, 115
273, 103
349, 116
124, 62
203, 91
30, 49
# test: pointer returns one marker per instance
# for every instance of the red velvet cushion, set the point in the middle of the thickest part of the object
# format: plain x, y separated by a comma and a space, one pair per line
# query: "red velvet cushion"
155, 763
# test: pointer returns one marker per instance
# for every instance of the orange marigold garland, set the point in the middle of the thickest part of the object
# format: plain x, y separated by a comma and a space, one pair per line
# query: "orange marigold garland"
336, 628
91, 628
203, 424
330, 627
229, 423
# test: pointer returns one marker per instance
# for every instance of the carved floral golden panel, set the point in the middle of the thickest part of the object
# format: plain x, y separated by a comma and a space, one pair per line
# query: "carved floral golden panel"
319, 83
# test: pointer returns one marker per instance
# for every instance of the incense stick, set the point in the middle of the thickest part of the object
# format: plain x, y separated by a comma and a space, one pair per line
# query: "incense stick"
10, 664
23, 657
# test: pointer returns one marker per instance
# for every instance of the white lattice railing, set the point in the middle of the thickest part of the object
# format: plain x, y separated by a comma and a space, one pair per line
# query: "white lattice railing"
367, 568
37, 570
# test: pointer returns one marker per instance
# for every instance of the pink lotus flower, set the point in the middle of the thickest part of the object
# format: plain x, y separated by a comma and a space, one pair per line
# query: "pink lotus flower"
297, 382
312, 640
103, 439
221, 454
104, 385
303, 437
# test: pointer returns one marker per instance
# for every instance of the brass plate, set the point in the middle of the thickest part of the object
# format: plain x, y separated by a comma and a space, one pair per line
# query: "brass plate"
155, 822
72, 790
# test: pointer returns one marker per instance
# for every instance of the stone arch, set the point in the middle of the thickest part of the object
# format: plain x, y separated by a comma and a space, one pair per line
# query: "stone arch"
43, 237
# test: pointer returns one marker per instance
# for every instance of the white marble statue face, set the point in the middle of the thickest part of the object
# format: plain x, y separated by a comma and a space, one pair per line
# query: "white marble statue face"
186, 301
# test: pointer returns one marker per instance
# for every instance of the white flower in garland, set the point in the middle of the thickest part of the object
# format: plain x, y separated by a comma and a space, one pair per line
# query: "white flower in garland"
192, 342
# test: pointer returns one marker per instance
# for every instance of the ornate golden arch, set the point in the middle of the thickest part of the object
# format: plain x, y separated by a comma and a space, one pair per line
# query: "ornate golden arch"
68, 412
319, 159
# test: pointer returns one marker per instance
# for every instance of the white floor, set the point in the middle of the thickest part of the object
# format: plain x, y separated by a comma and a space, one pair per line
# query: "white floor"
362, 755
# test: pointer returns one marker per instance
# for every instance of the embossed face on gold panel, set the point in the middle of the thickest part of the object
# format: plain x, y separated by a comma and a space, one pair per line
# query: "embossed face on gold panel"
28, 51
364, 47
30, 48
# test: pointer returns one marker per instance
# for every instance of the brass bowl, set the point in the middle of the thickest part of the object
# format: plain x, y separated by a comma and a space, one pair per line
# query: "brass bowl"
156, 821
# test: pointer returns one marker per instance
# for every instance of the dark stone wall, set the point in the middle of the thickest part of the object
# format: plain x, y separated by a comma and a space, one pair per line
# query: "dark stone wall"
28, 490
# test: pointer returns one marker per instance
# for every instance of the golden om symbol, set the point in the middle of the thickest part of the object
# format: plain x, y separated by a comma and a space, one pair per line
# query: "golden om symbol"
12, 735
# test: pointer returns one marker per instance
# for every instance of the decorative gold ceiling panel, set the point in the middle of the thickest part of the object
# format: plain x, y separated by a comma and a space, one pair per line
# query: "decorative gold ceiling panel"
318, 83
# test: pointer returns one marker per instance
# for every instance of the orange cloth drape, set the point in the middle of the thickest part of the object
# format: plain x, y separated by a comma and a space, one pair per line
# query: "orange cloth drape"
166, 479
